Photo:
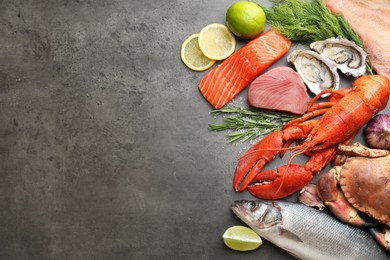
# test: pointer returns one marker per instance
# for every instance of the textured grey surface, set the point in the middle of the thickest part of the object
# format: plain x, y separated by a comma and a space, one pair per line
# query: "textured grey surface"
104, 147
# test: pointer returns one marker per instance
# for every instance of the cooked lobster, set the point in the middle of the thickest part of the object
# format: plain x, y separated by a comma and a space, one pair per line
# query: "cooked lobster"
346, 112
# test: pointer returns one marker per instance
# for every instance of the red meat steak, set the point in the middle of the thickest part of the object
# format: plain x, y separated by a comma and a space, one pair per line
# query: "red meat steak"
371, 21
279, 89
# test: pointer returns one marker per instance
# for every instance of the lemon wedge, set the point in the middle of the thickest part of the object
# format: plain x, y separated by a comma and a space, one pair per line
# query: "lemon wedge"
241, 238
216, 41
192, 56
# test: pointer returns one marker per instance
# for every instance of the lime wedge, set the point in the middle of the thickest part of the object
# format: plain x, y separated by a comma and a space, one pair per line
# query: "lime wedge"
241, 238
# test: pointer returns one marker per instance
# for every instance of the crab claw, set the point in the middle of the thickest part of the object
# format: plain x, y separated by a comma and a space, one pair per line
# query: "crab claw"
327, 185
381, 236
253, 161
279, 183
309, 196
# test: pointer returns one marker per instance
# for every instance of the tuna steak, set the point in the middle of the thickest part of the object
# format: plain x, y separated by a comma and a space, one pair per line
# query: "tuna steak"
279, 89
371, 21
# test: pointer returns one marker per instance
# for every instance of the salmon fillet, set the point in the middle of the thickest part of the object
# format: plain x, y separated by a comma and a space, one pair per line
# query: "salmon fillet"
229, 78
371, 21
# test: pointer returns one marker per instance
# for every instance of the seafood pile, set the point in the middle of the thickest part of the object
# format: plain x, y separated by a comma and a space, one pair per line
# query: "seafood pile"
360, 181
341, 119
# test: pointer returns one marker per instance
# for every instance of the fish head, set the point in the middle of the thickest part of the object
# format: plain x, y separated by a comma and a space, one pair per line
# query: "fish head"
258, 214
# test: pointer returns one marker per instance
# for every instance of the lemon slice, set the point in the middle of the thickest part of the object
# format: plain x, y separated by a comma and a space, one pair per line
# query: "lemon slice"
192, 56
216, 41
241, 238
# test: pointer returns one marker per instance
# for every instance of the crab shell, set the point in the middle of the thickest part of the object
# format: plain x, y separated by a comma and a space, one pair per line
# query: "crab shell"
365, 183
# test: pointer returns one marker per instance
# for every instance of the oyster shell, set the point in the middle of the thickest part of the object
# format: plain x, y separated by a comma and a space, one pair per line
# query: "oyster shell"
349, 58
318, 72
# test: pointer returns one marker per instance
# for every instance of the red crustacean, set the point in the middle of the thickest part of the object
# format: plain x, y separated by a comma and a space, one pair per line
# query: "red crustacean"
342, 117
359, 181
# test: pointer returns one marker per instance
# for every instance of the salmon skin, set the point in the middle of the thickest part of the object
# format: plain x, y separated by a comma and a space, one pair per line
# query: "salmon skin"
229, 78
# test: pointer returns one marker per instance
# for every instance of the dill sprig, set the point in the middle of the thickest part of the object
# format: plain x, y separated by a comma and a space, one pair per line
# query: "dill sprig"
308, 21
248, 124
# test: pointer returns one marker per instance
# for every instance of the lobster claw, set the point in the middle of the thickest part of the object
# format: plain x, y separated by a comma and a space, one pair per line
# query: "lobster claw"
279, 183
253, 161
283, 181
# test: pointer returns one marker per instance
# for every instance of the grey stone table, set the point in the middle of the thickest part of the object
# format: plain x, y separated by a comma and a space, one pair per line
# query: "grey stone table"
104, 143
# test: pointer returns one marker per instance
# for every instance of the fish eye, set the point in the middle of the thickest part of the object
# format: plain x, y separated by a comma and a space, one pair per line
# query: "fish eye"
252, 205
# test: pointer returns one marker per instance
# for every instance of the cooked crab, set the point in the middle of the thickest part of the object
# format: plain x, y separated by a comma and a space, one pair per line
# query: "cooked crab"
360, 181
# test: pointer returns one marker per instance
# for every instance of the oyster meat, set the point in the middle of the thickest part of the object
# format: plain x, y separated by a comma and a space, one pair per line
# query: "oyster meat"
349, 57
318, 72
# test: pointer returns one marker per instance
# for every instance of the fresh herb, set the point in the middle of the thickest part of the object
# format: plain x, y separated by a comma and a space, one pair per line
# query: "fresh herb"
308, 21
248, 124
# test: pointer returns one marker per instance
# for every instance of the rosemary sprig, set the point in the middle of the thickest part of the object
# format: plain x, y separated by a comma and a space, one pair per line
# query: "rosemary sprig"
248, 124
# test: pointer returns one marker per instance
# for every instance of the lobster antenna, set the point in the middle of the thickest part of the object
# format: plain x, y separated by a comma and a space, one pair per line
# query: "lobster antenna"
270, 149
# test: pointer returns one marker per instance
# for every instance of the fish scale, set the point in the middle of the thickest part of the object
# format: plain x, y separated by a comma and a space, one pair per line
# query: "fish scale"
307, 233
324, 232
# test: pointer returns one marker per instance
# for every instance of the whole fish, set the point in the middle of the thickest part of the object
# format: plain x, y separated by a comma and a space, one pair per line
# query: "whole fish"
307, 233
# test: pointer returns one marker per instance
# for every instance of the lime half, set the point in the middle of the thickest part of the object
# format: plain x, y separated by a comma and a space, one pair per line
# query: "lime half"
241, 238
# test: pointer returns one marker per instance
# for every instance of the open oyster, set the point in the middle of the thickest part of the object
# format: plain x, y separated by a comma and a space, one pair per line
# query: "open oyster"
349, 58
317, 72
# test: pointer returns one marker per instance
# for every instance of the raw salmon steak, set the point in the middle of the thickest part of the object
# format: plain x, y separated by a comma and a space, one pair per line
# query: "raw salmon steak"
279, 89
371, 21
229, 78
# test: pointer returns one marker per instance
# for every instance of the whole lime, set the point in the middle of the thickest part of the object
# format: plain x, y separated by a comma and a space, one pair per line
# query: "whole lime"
245, 19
